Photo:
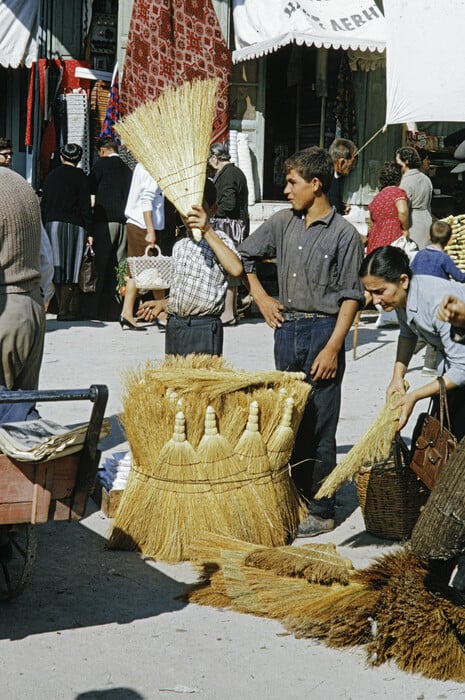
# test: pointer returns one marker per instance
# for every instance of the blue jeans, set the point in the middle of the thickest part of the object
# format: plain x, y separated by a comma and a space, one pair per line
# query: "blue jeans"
297, 343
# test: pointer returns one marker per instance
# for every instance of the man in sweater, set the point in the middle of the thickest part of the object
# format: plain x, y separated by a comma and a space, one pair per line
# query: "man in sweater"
109, 182
22, 313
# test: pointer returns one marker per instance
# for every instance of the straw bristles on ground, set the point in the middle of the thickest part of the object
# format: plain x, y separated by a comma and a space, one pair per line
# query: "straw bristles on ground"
232, 470
171, 137
372, 448
397, 608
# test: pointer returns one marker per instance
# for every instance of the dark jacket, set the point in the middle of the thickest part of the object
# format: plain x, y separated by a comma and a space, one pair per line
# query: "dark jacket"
232, 194
110, 181
66, 197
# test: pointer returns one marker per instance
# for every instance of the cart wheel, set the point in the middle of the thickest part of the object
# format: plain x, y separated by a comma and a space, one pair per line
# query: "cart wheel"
18, 544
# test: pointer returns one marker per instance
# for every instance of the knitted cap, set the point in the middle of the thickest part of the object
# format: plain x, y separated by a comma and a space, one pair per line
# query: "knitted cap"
20, 232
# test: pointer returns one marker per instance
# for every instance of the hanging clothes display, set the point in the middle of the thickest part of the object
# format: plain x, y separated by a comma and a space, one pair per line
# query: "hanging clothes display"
170, 42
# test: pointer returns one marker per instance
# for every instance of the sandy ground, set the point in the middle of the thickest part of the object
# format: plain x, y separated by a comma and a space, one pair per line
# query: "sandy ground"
103, 624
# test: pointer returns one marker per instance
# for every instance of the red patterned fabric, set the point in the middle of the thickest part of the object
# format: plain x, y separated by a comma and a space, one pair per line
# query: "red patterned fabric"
383, 213
169, 42
68, 82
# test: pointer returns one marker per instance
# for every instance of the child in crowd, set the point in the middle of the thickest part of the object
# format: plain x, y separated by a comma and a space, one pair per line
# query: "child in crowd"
432, 260
199, 281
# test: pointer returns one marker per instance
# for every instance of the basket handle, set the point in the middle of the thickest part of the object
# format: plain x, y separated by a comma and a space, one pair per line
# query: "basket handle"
151, 247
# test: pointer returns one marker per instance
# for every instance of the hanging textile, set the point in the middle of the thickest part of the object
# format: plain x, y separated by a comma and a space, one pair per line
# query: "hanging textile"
169, 42
67, 81
112, 112
344, 108
77, 112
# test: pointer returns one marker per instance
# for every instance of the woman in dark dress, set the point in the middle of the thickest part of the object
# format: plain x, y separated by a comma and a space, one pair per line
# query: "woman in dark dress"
67, 216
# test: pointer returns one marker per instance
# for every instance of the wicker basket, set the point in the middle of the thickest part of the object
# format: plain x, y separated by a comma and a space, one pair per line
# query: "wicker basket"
390, 495
150, 271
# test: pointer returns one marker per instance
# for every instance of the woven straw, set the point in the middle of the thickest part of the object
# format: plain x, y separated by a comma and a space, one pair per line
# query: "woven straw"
390, 497
150, 271
171, 137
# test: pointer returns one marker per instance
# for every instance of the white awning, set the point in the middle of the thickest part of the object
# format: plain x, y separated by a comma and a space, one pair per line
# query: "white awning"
264, 26
18, 29
425, 59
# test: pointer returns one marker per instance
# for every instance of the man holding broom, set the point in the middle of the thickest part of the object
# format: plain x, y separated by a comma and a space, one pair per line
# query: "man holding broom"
199, 282
318, 255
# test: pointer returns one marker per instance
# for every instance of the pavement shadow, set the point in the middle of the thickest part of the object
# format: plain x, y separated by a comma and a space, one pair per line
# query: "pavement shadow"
52, 325
111, 694
77, 582
365, 539
368, 337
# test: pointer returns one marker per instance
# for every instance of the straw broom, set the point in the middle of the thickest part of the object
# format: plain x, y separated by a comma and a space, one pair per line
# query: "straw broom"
291, 506
395, 607
171, 137
252, 455
374, 446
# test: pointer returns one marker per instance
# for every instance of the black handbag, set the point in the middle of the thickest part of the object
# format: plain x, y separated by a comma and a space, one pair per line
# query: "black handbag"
88, 272
432, 441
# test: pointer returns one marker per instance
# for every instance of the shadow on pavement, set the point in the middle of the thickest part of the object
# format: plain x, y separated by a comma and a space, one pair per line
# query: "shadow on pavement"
78, 583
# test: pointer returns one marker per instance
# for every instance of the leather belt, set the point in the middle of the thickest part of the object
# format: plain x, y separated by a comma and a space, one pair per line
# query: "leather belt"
296, 315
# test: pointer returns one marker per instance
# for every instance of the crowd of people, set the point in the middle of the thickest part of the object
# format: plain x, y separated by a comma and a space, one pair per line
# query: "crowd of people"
324, 274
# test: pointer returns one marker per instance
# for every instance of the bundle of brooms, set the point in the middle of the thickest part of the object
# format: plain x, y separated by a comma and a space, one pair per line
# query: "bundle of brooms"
210, 447
171, 137
394, 608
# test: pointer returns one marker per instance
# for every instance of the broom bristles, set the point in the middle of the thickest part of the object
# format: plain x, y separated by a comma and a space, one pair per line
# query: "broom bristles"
171, 137
374, 446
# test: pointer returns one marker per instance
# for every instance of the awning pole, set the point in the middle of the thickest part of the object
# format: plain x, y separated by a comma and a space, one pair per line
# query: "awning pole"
322, 122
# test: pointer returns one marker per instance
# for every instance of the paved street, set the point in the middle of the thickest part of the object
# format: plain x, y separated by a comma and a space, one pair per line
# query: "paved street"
108, 625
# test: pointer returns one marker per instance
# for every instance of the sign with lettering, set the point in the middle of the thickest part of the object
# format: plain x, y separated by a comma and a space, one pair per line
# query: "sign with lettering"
263, 26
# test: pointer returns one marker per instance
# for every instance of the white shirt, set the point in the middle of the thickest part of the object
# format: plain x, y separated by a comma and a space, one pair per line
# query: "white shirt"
145, 195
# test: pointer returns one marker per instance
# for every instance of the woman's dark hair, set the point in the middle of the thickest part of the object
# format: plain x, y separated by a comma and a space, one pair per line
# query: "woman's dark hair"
387, 262
422, 153
409, 155
390, 174
71, 152
312, 162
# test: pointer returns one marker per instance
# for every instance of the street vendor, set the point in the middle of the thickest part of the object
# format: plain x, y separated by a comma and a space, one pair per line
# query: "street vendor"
387, 276
318, 255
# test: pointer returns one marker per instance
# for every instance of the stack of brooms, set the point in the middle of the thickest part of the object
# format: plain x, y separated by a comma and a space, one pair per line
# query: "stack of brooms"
210, 450
456, 246
401, 608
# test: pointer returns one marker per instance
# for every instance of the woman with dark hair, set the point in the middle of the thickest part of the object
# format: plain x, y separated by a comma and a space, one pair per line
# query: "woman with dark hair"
67, 216
388, 209
387, 276
419, 191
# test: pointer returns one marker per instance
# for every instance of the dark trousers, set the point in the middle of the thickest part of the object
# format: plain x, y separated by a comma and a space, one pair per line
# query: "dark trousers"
199, 334
297, 344
110, 248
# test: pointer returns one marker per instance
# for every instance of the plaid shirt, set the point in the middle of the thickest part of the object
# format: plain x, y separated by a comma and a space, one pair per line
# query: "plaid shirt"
198, 281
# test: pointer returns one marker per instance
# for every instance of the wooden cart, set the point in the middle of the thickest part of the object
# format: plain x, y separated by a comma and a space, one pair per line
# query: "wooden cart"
36, 492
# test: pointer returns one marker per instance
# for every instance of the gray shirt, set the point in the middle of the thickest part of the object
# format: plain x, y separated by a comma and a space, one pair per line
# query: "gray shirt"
420, 319
317, 266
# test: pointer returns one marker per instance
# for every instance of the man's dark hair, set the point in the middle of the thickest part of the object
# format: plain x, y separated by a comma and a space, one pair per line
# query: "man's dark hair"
312, 162
386, 262
106, 142
409, 155
440, 232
